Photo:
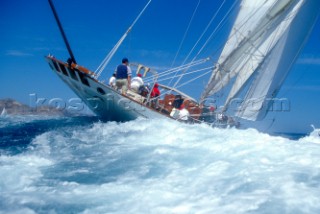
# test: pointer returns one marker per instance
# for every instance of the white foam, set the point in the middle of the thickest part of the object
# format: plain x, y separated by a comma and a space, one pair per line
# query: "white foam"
313, 137
162, 166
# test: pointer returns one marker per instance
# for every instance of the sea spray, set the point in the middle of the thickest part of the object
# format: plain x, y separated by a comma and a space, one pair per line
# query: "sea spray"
160, 166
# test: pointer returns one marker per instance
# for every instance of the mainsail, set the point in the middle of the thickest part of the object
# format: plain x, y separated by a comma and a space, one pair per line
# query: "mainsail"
263, 44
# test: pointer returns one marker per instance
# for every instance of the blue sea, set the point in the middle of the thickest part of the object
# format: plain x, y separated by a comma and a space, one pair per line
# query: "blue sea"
83, 165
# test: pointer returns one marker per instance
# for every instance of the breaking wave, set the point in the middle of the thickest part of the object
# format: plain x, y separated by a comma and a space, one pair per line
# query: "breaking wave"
82, 165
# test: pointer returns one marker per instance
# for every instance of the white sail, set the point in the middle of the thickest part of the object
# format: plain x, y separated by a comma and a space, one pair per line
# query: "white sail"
235, 52
4, 112
277, 64
255, 46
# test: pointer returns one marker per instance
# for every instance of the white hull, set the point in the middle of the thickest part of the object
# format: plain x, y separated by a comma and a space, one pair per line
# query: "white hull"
103, 100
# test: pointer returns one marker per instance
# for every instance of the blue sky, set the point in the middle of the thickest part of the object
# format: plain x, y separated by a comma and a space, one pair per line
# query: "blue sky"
29, 32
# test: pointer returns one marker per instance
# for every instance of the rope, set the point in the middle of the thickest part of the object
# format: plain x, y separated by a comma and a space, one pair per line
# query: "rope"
216, 29
165, 73
191, 72
205, 30
115, 48
109, 56
203, 33
185, 34
194, 79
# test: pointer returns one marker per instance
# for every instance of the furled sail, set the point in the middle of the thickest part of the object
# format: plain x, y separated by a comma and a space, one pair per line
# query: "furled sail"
264, 41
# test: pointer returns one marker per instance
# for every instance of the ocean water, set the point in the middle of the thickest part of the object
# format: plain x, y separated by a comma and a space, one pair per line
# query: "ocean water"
82, 165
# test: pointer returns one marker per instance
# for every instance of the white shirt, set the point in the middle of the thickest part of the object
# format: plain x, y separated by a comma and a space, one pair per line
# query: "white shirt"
112, 81
182, 114
129, 71
136, 82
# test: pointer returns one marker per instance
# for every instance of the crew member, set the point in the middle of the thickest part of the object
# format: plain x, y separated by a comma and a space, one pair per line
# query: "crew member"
112, 80
136, 83
155, 94
123, 76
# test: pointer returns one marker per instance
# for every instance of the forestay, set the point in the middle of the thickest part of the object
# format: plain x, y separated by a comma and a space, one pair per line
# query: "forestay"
263, 44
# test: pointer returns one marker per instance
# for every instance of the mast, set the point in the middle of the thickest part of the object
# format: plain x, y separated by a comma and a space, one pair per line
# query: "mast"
62, 31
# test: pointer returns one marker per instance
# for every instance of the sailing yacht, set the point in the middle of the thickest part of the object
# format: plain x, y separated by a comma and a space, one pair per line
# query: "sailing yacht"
4, 112
263, 44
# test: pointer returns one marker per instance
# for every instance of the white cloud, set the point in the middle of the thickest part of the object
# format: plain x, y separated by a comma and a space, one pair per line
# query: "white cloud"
17, 53
309, 60
306, 88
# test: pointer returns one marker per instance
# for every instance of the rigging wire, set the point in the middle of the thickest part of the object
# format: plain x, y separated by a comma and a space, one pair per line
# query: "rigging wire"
206, 29
182, 67
190, 72
186, 33
234, 34
191, 80
115, 48
194, 79
235, 31
216, 29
